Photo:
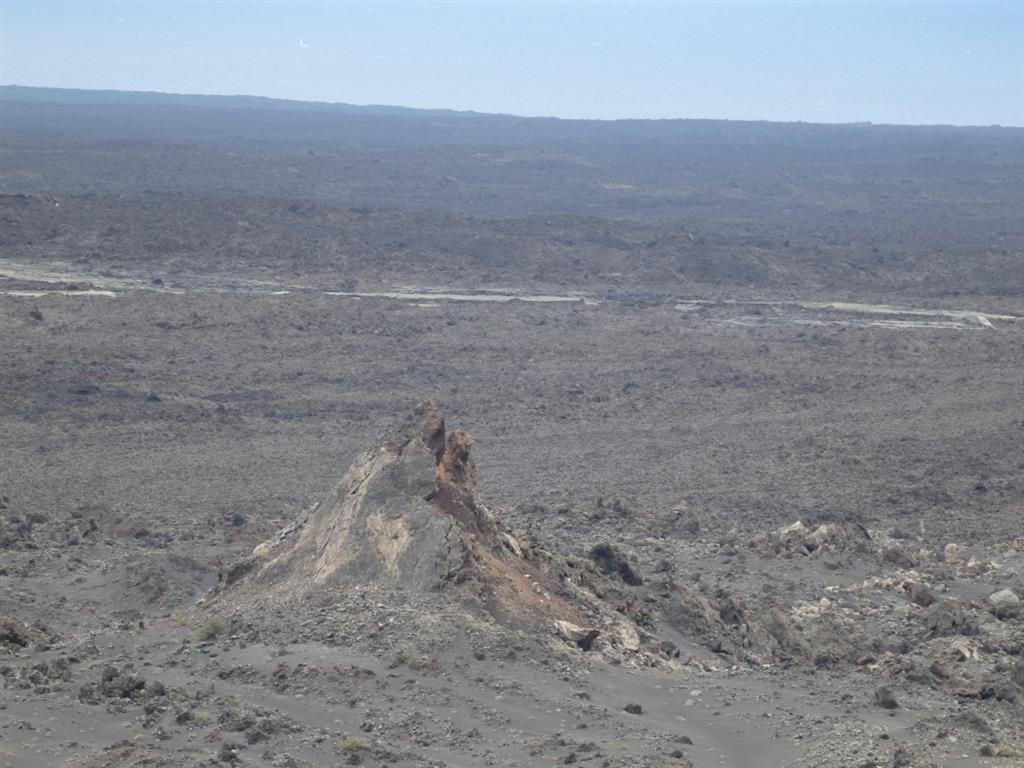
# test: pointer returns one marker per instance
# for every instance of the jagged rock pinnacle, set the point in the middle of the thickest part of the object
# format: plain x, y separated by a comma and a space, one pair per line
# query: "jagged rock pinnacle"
406, 515
406, 512
429, 427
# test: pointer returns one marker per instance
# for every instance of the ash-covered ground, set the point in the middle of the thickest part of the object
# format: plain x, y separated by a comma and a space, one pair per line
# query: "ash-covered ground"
744, 486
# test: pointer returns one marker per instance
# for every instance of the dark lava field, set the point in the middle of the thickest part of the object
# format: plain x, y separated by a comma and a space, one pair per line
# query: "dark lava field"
334, 435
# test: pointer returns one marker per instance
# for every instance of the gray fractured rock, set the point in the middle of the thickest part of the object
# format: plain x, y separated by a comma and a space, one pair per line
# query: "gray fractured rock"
1004, 604
379, 522
949, 618
583, 637
830, 537
918, 593
885, 698
117, 684
15, 634
1004, 598
613, 561
727, 625
406, 514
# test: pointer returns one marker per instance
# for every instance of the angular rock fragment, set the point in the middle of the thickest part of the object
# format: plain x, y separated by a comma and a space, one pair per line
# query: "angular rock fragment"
1004, 604
885, 698
584, 637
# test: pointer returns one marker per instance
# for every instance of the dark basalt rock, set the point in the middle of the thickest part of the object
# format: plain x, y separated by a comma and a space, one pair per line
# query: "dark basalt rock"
611, 560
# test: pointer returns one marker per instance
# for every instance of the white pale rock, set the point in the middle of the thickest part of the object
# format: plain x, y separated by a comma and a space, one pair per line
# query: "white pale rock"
575, 634
626, 638
1004, 598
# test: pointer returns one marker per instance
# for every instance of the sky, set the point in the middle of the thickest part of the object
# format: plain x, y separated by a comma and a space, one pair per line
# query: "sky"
957, 63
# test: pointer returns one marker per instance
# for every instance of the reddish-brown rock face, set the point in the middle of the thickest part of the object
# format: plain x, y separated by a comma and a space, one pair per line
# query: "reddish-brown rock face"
407, 512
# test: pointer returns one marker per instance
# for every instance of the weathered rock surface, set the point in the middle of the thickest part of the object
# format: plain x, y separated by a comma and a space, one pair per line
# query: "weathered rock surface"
406, 514
611, 560
1004, 604
728, 626
394, 515
584, 637
798, 538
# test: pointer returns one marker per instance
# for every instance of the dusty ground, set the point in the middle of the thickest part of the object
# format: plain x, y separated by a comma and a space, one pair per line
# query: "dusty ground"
829, 336
213, 419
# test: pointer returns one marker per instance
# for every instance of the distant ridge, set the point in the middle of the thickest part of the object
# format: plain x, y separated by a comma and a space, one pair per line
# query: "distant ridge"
855, 175
89, 97
25, 93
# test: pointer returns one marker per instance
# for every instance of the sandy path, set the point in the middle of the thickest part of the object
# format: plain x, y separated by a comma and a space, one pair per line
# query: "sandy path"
741, 312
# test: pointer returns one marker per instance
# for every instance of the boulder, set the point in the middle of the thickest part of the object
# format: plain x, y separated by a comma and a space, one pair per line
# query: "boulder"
612, 560
951, 554
1004, 604
948, 618
583, 637
919, 594
1004, 598
826, 537
625, 637
728, 626
885, 698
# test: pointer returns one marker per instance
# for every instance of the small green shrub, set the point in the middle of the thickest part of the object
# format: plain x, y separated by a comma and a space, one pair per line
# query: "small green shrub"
210, 630
354, 744
642, 618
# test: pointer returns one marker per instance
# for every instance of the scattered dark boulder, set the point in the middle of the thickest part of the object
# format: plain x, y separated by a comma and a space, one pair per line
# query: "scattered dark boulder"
633, 709
885, 698
583, 637
919, 594
613, 561
116, 684
1004, 604
998, 688
898, 556
51, 670
14, 634
670, 649
827, 537
949, 618
229, 753
728, 626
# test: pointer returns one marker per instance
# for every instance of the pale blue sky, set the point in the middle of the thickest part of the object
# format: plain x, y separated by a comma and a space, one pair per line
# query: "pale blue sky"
951, 62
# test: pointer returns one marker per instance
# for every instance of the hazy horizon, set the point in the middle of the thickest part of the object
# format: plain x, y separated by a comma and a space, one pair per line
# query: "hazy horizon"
902, 63
500, 114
